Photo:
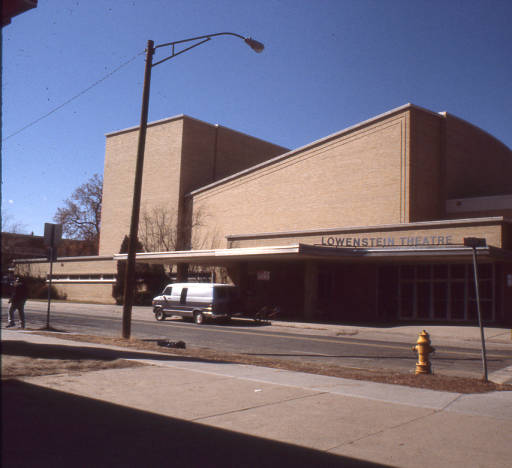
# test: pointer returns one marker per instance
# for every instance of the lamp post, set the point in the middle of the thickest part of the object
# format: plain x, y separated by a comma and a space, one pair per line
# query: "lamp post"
129, 280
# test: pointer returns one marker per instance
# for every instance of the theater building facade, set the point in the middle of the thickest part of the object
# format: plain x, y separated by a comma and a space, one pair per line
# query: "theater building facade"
367, 224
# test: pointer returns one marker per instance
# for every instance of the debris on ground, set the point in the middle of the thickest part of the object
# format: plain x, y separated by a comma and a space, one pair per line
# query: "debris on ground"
171, 344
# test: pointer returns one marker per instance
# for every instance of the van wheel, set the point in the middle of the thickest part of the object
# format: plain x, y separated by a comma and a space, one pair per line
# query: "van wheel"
198, 318
159, 315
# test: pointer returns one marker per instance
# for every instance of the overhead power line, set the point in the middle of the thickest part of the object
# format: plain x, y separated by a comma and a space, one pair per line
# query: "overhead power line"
76, 96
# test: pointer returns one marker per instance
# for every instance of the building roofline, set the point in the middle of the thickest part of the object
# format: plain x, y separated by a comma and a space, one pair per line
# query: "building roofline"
187, 117
150, 124
306, 251
325, 139
85, 258
376, 228
475, 127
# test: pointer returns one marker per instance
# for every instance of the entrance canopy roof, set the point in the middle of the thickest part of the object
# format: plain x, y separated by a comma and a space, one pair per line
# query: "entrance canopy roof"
220, 257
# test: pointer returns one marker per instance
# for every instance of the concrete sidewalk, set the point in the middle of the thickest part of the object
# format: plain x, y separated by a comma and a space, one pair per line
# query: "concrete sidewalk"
320, 420
444, 335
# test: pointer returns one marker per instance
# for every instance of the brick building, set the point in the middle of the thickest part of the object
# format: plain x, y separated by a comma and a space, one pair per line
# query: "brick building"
365, 224
19, 246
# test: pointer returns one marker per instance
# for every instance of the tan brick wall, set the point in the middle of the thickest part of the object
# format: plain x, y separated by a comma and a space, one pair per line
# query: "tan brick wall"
160, 182
237, 151
70, 268
179, 157
96, 293
92, 292
198, 155
426, 202
476, 163
212, 152
359, 177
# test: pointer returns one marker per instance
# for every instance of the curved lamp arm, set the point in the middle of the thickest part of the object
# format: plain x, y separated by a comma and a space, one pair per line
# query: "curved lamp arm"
252, 43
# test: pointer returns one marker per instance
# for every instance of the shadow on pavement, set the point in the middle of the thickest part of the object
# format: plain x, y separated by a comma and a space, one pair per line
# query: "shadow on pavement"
242, 321
65, 352
43, 427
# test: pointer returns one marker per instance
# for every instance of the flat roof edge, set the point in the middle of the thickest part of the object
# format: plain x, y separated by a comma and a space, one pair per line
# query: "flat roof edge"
380, 227
291, 153
150, 124
292, 248
305, 251
188, 117
89, 258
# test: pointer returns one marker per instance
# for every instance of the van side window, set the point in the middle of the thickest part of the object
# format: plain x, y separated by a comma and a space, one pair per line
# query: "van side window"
183, 297
167, 291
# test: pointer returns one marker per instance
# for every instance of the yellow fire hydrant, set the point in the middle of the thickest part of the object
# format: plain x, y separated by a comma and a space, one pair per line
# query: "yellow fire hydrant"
423, 348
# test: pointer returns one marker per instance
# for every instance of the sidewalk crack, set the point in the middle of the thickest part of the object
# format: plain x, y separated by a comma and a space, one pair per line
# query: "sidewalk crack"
242, 410
450, 403
381, 431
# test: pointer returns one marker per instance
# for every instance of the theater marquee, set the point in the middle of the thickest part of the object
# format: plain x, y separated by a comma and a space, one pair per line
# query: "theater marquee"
406, 241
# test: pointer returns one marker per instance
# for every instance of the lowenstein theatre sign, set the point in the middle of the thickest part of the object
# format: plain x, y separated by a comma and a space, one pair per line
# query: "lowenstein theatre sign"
333, 241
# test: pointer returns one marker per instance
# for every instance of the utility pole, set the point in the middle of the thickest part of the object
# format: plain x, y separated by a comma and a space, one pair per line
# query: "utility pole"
129, 280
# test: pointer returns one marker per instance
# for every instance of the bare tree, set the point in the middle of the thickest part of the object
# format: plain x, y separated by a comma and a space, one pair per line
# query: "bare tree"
11, 225
159, 232
81, 215
203, 238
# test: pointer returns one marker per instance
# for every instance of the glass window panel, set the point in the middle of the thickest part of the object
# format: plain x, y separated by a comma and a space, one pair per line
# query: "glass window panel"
183, 297
484, 270
472, 311
407, 300
486, 309
457, 310
471, 290
486, 289
458, 271
440, 271
423, 271
407, 271
457, 291
423, 304
457, 300
440, 299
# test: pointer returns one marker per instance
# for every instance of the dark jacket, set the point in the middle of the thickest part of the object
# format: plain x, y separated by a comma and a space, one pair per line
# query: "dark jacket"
19, 292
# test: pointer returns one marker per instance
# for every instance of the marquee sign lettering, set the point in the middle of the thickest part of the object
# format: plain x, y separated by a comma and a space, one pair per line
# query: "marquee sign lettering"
334, 241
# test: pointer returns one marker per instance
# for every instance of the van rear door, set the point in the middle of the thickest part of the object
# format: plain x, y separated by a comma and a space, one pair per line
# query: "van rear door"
226, 300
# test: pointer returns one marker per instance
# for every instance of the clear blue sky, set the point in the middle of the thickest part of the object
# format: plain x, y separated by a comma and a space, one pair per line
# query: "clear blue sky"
327, 65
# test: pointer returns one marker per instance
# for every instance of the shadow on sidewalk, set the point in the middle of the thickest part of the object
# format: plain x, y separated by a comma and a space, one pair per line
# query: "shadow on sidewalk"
43, 427
65, 352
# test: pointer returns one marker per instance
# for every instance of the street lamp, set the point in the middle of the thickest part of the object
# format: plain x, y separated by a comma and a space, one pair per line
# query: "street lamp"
129, 279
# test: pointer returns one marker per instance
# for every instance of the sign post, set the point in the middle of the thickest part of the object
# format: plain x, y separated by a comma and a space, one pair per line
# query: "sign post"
475, 242
52, 238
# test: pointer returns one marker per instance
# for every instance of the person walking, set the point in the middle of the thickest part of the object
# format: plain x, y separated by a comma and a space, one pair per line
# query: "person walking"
18, 299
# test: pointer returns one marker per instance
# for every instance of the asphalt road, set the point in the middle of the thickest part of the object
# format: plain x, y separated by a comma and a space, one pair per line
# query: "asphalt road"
244, 336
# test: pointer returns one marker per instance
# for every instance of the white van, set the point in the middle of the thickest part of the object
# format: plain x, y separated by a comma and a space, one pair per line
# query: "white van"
197, 300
